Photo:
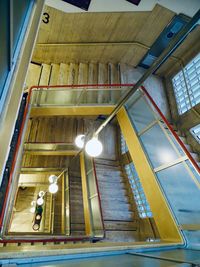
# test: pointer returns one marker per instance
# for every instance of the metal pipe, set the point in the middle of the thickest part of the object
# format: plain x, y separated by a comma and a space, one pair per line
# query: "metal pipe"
158, 62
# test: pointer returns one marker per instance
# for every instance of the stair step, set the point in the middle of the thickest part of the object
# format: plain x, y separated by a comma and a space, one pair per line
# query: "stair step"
121, 225
45, 74
118, 215
110, 181
103, 96
63, 77
76, 188
107, 163
101, 177
114, 196
118, 236
78, 233
77, 226
107, 166
109, 172
116, 205
55, 69
109, 185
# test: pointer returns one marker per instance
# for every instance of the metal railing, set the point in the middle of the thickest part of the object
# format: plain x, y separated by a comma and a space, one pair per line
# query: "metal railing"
78, 95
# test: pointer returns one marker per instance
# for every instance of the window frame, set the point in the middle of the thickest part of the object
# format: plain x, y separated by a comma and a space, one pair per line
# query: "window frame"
185, 85
195, 134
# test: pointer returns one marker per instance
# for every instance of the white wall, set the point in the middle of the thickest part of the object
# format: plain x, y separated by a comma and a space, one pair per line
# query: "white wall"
187, 7
153, 84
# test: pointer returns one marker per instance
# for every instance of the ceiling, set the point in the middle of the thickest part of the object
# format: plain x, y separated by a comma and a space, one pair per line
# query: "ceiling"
187, 7
105, 37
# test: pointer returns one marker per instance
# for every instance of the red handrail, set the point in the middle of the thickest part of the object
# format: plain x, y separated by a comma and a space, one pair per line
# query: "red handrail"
81, 86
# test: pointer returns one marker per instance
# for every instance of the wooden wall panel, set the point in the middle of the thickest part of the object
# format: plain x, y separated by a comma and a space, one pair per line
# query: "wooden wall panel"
99, 28
38, 161
53, 129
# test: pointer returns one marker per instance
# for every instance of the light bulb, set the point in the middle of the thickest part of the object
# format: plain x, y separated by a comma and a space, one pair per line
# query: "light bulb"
33, 203
32, 209
41, 193
40, 201
36, 227
80, 140
93, 147
38, 217
52, 178
53, 188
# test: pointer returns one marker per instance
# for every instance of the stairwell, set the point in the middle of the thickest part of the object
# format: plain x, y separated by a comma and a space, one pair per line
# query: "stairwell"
120, 217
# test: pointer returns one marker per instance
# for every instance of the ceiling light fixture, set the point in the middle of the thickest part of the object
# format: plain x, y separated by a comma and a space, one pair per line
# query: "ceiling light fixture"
40, 201
53, 188
53, 179
94, 147
80, 140
33, 203
41, 194
32, 209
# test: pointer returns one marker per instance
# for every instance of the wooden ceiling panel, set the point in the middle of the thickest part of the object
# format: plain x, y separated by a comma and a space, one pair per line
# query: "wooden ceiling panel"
90, 27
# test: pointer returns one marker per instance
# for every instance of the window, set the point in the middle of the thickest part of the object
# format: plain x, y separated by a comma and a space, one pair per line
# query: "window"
124, 147
138, 193
186, 85
196, 132
134, 180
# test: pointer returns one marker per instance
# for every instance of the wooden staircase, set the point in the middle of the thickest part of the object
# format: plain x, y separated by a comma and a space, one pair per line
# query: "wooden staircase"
119, 215
76, 206
75, 74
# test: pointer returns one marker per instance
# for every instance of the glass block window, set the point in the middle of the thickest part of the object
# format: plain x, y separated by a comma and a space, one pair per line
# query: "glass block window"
138, 193
186, 85
124, 147
196, 132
